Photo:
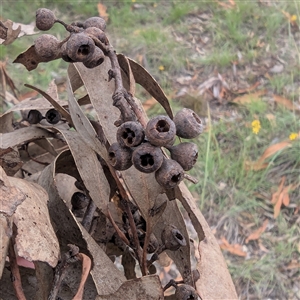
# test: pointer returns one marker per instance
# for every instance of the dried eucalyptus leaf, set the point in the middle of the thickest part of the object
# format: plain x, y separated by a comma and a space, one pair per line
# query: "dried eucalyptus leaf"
128, 263
10, 161
89, 168
36, 240
5, 234
107, 278
11, 196
3, 31
146, 80
84, 126
11, 34
6, 121
147, 194
46, 145
38, 104
146, 288
125, 67
215, 281
96, 80
29, 59
54, 102
22, 135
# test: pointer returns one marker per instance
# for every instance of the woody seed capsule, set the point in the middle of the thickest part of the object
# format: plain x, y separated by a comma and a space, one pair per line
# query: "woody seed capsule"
45, 19
119, 157
47, 47
80, 47
147, 158
172, 238
130, 134
170, 174
160, 131
186, 292
95, 22
188, 124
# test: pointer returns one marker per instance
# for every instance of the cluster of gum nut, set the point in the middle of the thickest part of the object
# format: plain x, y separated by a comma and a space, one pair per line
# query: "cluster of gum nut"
79, 46
142, 147
135, 145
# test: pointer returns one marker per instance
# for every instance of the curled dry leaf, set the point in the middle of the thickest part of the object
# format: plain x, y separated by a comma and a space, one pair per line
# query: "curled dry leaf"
29, 59
10, 161
257, 233
10, 34
271, 150
146, 288
286, 103
235, 249
248, 98
36, 240
143, 77
22, 135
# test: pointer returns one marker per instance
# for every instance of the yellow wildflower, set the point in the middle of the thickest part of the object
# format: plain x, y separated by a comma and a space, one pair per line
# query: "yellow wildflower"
293, 136
256, 126
293, 18
161, 68
133, 0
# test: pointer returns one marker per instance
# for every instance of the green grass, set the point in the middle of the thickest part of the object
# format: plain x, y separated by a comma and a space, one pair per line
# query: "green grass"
160, 34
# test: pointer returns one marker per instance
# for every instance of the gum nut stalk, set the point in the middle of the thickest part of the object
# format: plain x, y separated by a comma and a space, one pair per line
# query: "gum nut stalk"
96, 59
172, 238
188, 124
160, 131
45, 19
170, 174
80, 47
53, 116
147, 158
186, 292
97, 33
119, 157
130, 134
185, 154
47, 47
95, 22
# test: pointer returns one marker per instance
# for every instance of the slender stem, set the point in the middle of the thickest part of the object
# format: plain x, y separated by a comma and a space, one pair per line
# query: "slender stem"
16, 277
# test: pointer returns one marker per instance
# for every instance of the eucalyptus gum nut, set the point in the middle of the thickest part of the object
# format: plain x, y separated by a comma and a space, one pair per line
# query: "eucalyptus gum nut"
147, 158
160, 131
172, 238
119, 157
186, 292
47, 47
53, 116
185, 154
64, 54
130, 134
188, 124
80, 47
45, 19
34, 116
79, 200
95, 22
170, 174
96, 59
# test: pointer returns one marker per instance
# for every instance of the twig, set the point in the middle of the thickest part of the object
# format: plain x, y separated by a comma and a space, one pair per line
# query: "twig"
86, 267
88, 215
123, 100
16, 277
117, 229
190, 178
61, 268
